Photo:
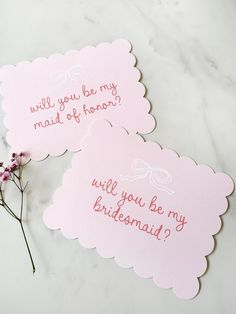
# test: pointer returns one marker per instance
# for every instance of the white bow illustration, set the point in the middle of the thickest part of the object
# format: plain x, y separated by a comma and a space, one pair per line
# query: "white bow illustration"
158, 177
70, 74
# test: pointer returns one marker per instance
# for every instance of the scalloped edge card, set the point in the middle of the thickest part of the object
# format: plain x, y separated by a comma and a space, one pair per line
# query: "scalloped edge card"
49, 103
145, 206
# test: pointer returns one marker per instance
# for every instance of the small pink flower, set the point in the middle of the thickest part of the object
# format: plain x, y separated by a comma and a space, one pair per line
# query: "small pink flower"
5, 176
13, 165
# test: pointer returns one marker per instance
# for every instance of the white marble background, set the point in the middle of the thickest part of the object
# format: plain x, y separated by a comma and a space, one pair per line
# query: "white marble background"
186, 51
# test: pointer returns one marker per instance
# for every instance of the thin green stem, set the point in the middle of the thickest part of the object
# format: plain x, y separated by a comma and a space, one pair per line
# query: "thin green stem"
15, 175
6, 207
18, 182
21, 222
9, 211
13, 180
22, 204
27, 245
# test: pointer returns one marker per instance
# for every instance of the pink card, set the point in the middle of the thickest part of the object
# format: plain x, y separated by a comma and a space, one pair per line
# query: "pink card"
143, 205
49, 103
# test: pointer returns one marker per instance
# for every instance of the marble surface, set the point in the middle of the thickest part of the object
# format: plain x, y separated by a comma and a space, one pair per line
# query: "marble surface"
186, 51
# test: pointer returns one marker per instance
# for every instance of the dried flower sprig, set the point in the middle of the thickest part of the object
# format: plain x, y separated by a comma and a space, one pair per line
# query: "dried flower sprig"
13, 173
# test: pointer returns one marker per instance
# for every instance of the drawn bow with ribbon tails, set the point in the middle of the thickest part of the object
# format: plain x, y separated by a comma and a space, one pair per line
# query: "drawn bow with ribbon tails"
157, 177
70, 74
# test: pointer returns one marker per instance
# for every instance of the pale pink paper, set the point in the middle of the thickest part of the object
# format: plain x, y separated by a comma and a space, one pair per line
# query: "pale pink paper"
29, 84
196, 192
